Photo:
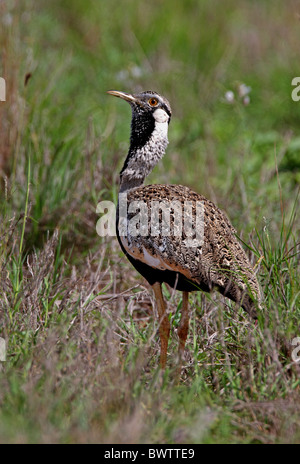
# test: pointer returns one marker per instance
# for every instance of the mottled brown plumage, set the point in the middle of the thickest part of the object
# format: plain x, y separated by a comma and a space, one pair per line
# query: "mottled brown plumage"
219, 263
165, 251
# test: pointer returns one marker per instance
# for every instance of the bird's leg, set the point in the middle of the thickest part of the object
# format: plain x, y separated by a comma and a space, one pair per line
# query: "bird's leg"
184, 325
164, 324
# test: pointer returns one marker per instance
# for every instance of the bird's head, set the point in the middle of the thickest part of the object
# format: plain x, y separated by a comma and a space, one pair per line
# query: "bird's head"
151, 114
147, 104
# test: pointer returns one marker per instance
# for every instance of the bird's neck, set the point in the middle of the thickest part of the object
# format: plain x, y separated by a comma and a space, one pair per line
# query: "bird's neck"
148, 143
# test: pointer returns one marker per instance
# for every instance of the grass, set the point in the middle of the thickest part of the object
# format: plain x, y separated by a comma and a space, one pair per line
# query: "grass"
81, 336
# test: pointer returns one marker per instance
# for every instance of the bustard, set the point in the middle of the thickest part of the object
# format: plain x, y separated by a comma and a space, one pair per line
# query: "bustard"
218, 261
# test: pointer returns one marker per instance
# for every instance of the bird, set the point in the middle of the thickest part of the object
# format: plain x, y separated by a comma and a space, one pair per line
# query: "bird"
157, 228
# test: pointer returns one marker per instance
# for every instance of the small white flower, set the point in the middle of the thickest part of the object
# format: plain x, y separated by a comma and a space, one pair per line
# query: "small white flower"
136, 71
122, 75
229, 96
246, 100
243, 90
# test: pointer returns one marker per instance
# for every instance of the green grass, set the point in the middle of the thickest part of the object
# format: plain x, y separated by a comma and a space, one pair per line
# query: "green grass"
82, 343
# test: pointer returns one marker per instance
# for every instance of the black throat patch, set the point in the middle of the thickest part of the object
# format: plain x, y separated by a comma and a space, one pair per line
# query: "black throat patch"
142, 127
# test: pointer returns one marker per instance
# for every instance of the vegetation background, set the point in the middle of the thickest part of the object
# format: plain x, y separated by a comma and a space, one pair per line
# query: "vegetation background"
81, 336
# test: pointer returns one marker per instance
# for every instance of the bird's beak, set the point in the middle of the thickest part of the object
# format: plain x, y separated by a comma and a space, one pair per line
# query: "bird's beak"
125, 96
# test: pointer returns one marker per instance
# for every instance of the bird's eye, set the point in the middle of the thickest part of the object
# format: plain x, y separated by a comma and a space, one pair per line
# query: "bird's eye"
153, 101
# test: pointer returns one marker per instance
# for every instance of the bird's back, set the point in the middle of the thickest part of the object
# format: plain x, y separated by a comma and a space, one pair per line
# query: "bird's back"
174, 235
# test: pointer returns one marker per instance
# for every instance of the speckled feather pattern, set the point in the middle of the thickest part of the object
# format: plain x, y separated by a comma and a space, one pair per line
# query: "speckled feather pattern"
220, 262
144, 159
